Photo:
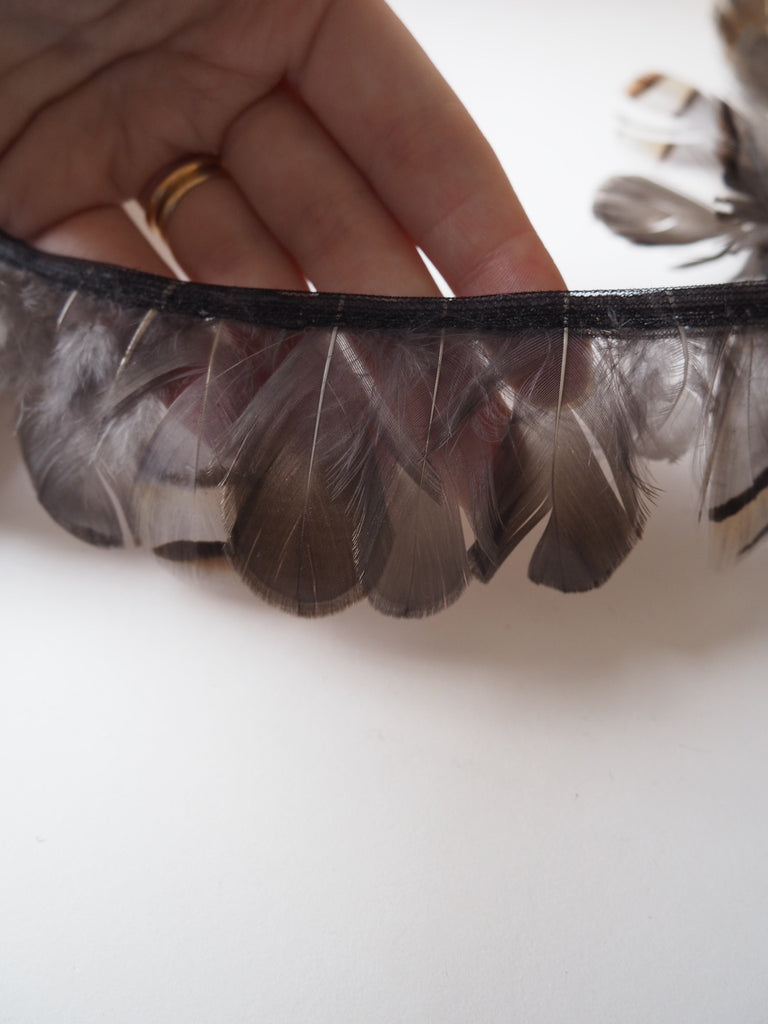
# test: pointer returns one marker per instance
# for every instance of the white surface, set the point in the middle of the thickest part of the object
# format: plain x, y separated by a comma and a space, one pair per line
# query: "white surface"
530, 808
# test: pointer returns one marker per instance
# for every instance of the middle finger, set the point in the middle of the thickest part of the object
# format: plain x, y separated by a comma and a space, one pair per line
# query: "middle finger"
317, 204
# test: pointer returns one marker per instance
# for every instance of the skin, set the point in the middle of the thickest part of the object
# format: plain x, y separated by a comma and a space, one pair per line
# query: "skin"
343, 147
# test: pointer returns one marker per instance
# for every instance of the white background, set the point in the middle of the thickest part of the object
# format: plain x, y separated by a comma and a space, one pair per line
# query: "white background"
529, 808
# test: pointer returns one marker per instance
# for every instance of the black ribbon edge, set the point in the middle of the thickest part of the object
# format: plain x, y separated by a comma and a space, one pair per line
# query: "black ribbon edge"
732, 304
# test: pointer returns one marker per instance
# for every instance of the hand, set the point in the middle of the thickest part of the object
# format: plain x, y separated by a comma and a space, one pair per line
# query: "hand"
343, 147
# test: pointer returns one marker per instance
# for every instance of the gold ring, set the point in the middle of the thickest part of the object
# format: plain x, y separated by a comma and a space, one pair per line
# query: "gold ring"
173, 186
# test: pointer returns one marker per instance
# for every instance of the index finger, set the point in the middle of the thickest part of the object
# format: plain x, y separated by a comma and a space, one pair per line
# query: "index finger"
387, 106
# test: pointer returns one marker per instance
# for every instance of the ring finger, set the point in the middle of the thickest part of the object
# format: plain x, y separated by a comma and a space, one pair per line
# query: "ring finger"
216, 237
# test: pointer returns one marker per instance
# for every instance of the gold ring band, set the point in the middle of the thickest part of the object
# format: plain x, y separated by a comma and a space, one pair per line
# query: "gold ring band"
173, 186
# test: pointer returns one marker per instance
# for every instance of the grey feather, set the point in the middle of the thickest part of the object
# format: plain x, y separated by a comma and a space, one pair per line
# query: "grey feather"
735, 476
307, 521
82, 462
744, 29
648, 213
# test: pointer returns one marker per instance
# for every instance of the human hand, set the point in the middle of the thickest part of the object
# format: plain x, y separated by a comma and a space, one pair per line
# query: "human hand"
343, 147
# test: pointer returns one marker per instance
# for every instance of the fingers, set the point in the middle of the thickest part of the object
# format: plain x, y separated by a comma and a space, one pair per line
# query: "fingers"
385, 160
290, 208
338, 186
104, 234
323, 211
217, 237
369, 83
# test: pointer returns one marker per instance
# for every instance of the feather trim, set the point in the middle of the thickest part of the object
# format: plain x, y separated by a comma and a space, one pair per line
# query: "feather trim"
336, 447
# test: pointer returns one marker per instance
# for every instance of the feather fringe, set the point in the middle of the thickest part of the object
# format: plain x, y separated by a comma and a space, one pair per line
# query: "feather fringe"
333, 448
